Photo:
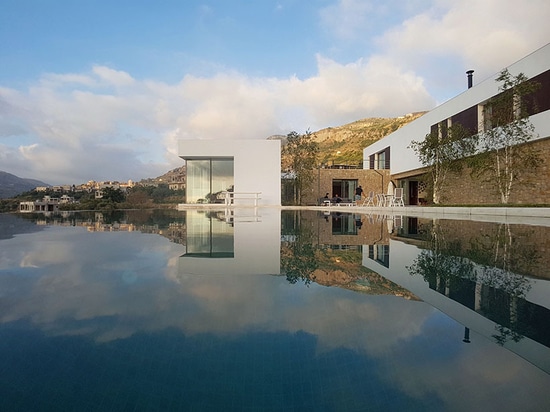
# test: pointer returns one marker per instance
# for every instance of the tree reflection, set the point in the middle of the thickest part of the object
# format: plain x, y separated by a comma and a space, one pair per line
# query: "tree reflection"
507, 257
298, 252
490, 269
438, 263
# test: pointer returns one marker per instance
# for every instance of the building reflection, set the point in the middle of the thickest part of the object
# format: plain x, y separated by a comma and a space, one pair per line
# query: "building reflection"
231, 241
490, 277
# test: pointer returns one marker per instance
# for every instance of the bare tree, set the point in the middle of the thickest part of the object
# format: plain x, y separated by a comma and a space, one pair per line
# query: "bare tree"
442, 151
505, 157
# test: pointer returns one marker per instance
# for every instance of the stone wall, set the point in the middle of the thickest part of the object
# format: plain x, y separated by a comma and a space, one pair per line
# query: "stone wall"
375, 180
533, 189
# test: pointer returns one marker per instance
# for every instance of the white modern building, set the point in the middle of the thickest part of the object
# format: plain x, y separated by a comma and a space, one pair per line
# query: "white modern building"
393, 152
250, 170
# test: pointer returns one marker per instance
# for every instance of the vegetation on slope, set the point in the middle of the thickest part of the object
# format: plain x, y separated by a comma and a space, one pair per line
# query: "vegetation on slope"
345, 144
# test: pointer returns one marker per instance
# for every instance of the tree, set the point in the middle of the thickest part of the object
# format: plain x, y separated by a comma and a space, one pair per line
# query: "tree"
114, 195
300, 161
443, 151
161, 192
505, 158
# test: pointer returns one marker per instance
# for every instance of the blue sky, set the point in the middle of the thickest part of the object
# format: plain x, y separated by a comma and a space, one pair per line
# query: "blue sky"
103, 90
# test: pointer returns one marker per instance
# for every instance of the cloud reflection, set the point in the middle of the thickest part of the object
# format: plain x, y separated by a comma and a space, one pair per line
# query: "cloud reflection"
110, 286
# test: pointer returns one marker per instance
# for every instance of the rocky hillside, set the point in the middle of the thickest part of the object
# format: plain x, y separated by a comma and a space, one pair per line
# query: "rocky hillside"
174, 175
345, 144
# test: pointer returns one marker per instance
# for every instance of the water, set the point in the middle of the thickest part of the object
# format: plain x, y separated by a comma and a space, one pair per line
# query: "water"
271, 311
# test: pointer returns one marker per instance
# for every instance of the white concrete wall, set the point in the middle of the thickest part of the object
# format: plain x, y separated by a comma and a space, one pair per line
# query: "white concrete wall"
257, 165
403, 159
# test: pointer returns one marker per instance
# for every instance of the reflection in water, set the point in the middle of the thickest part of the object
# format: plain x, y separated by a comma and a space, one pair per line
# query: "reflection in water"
209, 235
268, 310
479, 273
300, 256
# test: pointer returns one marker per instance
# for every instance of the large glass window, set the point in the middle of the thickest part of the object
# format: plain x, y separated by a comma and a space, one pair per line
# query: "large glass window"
222, 175
345, 188
206, 178
383, 159
198, 180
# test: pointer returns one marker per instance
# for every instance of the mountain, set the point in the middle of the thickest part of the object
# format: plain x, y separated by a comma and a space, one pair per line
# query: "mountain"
11, 185
345, 144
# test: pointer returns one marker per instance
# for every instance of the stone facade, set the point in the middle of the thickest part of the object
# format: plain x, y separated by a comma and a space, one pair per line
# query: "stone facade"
463, 189
375, 180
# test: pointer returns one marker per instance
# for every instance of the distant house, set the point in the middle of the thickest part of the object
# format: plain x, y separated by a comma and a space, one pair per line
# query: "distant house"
176, 185
177, 180
47, 204
66, 199
393, 153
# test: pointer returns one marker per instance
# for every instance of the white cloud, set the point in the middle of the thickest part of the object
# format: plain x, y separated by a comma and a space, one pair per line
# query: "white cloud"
438, 40
114, 77
444, 40
70, 126
375, 87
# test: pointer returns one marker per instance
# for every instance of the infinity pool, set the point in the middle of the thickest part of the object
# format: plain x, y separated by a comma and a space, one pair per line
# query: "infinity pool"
269, 310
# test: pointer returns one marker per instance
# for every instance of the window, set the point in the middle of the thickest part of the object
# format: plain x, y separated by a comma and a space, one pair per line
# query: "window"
382, 159
208, 236
344, 187
380, 254
343, 224
468, 119
539, 100
206, 178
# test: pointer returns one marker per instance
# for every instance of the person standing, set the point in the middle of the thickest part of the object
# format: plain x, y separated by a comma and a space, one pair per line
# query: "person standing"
358, 193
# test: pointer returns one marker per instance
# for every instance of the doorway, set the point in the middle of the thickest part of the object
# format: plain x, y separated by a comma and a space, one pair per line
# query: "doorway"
413, 192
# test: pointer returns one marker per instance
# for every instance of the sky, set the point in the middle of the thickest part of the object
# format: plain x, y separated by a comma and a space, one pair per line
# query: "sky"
104, 90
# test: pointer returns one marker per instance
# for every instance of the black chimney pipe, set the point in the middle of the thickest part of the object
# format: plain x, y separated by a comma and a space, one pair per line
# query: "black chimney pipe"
470, 74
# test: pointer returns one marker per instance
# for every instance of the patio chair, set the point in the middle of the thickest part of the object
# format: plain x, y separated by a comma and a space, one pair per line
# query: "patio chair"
380, 200
398, 197
369, 200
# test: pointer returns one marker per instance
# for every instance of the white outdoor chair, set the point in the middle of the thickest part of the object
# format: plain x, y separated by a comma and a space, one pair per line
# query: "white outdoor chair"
398, 197
369, 200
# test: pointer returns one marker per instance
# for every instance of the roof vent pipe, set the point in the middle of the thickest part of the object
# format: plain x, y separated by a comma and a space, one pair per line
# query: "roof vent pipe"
470, 74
